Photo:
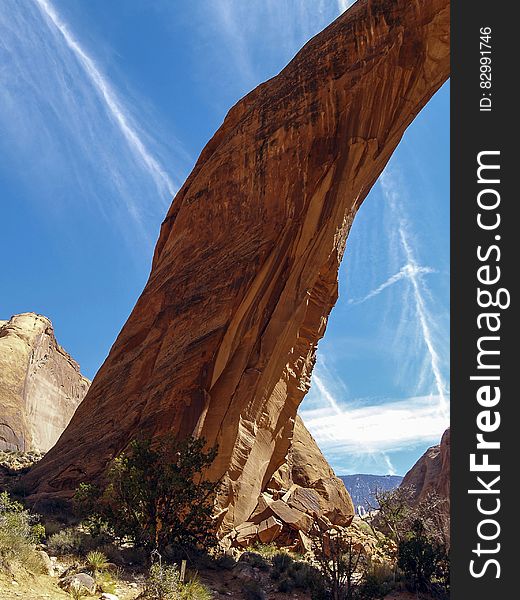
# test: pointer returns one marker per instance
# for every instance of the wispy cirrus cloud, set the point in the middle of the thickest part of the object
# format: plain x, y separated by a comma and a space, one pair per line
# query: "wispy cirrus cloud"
344, 4
61, 117
113, 103
360, 434
420, 293
407, 272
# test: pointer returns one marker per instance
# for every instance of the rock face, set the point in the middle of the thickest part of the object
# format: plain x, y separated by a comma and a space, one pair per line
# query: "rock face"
222, 341
40, 384
303, 488
431, 473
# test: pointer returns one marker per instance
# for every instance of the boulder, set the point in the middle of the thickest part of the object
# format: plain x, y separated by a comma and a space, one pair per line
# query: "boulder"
269, 530
78, 581
294, 518
431, 473
47, 563
246, 533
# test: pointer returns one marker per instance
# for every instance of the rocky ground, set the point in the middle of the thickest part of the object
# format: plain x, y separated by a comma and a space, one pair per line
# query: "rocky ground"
223, 583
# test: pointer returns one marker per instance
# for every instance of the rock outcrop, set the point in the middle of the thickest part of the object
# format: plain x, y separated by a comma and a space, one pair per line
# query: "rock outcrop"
303, 488
222, 341
431, 473
40, 384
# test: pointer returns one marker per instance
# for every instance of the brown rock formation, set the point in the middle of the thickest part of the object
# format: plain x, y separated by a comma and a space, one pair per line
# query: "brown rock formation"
431, 473
222, 341
40, 384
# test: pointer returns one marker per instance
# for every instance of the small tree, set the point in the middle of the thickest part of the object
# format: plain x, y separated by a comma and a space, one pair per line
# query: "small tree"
392, 512
340, 559
156, 495
422, 560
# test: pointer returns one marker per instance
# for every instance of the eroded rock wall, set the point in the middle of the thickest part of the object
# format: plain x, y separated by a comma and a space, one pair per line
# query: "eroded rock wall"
222, 341
431, 473
40, 384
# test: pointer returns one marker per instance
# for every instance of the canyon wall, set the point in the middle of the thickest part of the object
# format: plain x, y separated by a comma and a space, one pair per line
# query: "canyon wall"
222, 341
40, 384
431, 473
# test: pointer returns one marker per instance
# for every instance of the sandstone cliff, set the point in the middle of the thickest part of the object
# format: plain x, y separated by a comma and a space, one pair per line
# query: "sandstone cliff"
431, 473
222, 341
40, 385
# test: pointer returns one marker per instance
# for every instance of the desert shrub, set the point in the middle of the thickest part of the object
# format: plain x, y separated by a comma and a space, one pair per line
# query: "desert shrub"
52, 527
253, 591
423, 561
265, 550
156, 496
225, 561
291, 574
378, 581
194, 590
255, 560
285, 585
96, 562
77, 592
341, 559
282, 561
66, 541
106, 582
113, 553
162, 582
19, 532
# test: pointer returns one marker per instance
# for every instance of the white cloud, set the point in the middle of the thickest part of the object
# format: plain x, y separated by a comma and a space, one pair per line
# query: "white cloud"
360, 434
75, 146
380, 427
420, 292
409, 271
344, 4
113, 104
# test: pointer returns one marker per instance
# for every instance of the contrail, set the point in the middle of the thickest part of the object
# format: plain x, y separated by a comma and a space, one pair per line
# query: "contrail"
161, 179
405, 272
414, 277
325, 393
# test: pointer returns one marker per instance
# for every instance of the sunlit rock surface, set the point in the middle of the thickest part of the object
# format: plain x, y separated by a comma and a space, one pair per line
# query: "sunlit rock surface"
40, 384
222, 341
431, 473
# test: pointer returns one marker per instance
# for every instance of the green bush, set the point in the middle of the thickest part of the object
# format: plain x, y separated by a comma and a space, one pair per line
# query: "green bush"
106, 582
156, 496
225, 561
19, 532
97, 562
255, 560
194, 590
282, 561
66, 541
292, 574
253, 591
162, 583
423, 561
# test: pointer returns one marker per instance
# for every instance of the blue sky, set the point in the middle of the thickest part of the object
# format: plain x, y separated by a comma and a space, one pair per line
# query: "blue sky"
104, 109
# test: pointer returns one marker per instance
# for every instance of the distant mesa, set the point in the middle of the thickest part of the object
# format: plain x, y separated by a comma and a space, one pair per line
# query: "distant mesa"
362, 488
40, 384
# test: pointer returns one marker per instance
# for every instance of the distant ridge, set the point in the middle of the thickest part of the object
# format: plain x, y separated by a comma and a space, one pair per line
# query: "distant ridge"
362, 487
